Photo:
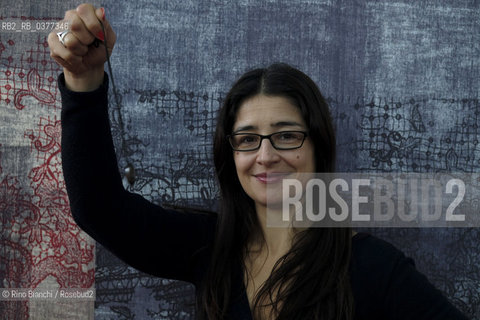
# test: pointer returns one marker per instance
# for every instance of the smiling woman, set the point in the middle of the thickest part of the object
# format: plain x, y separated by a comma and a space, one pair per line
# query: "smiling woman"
279, 273
261, 115
274, 122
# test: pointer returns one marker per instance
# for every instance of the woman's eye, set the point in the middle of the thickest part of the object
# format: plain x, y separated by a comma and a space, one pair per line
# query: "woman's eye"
288, 136
247, 139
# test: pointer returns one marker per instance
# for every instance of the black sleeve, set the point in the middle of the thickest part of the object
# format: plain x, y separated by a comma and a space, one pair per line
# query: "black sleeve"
152, 239
410, 295
386, 285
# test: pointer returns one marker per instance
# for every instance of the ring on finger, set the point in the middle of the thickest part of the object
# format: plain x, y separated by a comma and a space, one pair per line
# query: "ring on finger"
61, 36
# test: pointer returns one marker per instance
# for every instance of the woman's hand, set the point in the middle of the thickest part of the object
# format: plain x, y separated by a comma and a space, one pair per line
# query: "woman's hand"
81, 60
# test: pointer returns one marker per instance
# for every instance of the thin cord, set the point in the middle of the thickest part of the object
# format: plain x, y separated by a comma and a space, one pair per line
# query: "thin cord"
129, 170
117, 101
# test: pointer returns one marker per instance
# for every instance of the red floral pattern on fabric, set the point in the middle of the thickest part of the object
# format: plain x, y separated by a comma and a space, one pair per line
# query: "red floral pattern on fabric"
39, 238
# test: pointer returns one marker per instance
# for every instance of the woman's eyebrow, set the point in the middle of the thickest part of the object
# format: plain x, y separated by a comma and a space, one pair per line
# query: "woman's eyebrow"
286, 124
245, 128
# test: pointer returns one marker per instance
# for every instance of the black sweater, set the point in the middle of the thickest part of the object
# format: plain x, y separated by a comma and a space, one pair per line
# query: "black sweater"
176, 245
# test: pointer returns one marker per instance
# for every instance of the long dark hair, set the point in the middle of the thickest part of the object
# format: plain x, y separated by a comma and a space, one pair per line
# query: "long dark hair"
305, 285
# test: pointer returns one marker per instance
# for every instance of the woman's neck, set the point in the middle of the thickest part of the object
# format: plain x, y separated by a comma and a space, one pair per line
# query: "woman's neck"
277, 241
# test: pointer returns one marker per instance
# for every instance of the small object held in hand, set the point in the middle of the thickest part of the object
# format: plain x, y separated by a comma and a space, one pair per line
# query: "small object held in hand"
130, 174
61, 36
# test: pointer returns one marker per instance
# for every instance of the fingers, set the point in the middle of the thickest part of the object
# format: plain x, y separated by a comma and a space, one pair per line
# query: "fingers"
110, 35
75, 51
61, 53
86, 25
91, 23
79, 38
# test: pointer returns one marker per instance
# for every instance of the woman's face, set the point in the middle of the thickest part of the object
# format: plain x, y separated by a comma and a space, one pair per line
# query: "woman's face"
266, 115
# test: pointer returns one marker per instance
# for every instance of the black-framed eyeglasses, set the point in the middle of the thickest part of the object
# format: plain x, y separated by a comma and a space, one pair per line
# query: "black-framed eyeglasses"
283, 140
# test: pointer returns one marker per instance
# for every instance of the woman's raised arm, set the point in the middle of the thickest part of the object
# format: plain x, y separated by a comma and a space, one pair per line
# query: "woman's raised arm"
162, 242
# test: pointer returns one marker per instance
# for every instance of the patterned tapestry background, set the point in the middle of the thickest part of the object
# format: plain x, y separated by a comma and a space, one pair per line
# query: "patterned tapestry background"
402, 79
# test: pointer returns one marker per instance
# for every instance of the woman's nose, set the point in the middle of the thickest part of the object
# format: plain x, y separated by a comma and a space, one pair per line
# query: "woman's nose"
267, 154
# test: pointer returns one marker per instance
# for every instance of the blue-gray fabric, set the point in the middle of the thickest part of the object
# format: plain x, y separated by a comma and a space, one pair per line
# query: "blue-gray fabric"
401, 77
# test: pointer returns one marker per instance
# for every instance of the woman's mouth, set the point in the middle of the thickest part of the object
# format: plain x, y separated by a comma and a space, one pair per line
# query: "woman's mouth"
272, 177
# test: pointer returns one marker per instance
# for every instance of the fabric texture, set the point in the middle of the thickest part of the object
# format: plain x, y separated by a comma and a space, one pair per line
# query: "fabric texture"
401, 78
177, 245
